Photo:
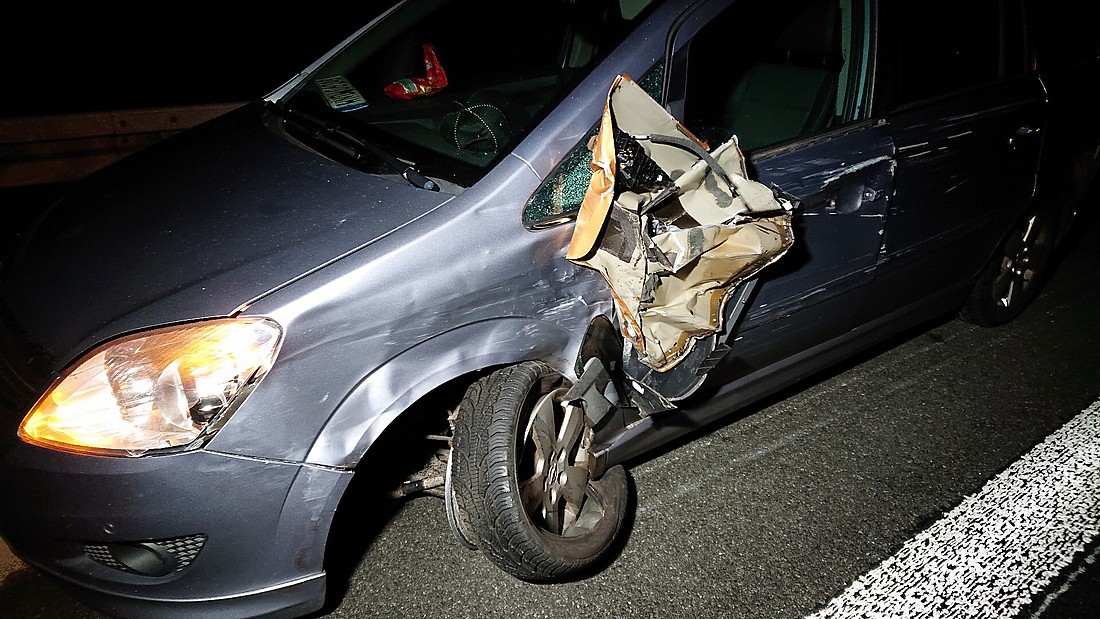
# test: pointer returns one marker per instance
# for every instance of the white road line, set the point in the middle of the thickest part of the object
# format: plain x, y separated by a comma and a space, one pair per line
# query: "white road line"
1001, 547
1049, 598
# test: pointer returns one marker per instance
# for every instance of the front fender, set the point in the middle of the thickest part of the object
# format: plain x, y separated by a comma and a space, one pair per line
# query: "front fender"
386, 392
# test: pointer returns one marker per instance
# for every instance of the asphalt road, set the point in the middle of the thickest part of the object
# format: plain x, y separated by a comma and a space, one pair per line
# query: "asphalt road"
777, 511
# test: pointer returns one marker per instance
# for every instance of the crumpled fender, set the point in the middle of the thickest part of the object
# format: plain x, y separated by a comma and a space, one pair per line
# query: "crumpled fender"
389, 390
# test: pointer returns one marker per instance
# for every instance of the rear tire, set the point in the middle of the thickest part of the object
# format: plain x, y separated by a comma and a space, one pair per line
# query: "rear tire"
520, 470
1014, 275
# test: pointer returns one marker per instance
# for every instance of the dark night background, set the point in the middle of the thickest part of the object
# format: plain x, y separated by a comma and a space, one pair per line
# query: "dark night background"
96, 57
99, 58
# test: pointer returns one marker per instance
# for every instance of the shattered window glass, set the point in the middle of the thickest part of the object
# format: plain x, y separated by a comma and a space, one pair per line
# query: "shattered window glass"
559, 197
653, 79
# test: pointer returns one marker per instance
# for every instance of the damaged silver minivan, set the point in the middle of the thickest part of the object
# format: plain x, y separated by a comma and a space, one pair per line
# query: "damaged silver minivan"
605, 226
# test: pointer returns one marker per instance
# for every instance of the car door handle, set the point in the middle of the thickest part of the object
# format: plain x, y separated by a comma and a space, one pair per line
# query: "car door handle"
850, 199
870, 194
1021, 133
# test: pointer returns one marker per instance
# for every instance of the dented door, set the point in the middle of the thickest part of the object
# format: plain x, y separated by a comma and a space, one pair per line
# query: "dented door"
966, 116
678, 233
794, 88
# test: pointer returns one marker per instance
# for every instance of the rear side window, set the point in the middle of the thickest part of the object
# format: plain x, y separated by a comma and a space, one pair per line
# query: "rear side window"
1067, 34
937, 47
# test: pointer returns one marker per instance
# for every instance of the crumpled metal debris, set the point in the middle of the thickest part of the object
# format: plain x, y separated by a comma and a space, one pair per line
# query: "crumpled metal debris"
673, 228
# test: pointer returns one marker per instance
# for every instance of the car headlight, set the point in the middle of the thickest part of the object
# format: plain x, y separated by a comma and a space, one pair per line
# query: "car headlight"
160, 389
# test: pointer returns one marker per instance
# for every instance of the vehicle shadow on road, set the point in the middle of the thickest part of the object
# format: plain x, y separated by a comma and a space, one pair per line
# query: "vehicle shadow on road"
404, 451
26, 593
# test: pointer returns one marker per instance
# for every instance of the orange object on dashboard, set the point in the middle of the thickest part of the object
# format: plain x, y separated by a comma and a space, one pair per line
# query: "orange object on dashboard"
411, 87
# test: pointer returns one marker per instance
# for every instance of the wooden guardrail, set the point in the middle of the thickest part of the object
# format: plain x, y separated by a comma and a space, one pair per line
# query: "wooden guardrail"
65, 147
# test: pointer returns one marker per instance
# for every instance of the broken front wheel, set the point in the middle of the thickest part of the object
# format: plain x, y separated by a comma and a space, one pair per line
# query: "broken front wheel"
519, 480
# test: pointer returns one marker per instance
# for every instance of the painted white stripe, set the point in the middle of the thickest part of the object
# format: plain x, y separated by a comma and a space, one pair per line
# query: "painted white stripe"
1001, 547
1051, 597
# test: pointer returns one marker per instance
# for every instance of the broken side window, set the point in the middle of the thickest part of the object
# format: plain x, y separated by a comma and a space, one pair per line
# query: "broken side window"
559, 196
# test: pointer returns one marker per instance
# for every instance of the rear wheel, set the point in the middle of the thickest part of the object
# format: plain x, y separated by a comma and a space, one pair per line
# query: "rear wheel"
519, 469
1014, 275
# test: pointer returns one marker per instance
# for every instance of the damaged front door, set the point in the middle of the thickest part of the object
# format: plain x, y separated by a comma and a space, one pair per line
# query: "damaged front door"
676, 231
794, 89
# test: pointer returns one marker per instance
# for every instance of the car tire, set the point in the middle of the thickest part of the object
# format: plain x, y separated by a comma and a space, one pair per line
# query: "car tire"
457, 517
524, 481
1015, 273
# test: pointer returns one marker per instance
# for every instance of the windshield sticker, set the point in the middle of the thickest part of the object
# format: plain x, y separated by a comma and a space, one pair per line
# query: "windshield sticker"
340, 94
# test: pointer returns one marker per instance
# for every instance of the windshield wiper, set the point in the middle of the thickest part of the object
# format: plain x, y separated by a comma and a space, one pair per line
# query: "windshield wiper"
347, 143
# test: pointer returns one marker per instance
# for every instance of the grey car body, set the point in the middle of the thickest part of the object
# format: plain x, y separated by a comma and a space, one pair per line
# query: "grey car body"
385, 292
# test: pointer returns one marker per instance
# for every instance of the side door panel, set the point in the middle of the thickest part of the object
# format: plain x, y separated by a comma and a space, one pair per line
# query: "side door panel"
814, 293
966, 169
966, 155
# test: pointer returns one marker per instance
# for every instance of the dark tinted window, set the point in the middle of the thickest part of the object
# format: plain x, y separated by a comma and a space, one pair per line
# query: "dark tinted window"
936, 47
1067, 34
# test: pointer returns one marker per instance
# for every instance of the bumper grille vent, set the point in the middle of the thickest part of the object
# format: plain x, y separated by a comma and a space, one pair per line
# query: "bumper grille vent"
153, 558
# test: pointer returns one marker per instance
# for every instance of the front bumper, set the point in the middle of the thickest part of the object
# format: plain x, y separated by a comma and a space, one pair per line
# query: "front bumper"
174, 535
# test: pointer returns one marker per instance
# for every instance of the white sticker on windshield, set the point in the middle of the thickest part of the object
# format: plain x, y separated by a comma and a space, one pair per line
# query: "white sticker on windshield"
340, 94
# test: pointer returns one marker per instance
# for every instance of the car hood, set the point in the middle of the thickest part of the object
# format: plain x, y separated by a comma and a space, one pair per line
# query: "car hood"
194, 226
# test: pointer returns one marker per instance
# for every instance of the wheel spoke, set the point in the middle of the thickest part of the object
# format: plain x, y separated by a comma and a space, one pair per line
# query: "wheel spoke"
551, 511
539, 494
1003, 284
531, 493
541, 429
569, 517
572, 427
556, 489
1010, 290
573, 492
1031, 229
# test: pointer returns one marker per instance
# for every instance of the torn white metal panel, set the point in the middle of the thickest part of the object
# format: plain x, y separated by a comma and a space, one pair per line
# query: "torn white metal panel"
673, 228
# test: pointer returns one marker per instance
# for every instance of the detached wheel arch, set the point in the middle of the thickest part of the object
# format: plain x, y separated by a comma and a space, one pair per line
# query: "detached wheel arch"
519, 480
1015, 272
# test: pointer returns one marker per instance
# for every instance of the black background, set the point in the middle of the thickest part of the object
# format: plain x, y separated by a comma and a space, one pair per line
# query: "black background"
98, 57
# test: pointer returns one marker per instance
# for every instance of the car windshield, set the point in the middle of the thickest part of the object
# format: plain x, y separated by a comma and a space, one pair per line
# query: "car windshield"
423, 87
